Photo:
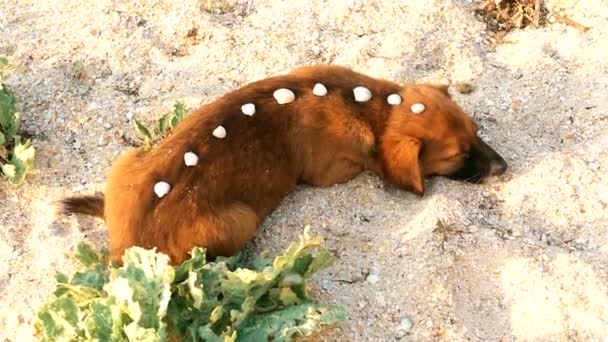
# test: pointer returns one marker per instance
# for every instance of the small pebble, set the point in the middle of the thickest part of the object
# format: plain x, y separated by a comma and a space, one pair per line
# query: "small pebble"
190, 159
284, 96
248, 109
92, 107
418, 108
161, 189
373, 276
319, 90
394, 99
464, 88
219, 132
405, 324
326, 284
362, 94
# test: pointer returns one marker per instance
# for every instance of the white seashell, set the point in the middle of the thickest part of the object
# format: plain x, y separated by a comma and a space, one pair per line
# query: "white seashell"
248, 109
362, 94
319, 90
161, 189
418, 108
219, 132
190, 159
284, 96
394, 99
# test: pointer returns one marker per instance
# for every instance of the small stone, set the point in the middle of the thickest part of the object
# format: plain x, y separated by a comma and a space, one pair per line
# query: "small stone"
92, 107
404, 327
48, 116
319, 90
373, 276
107, 125
284, 96
130, 115
219, 132
101, 141
161, 189
394, 99
248, 109
464, 88
326, 284
190, 159
418, 108
362, 94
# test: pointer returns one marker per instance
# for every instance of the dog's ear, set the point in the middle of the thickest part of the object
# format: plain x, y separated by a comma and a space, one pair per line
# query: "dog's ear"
402, 164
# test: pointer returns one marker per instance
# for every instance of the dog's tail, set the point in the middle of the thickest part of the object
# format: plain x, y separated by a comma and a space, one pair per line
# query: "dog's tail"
91, 205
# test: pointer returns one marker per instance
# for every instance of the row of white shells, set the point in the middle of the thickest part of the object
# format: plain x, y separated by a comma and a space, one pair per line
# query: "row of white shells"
284, 96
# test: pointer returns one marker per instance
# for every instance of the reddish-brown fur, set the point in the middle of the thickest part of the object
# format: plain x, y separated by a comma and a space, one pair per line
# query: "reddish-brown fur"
239, 180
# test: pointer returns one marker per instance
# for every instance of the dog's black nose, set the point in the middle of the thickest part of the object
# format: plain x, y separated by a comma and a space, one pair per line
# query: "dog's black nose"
498, 167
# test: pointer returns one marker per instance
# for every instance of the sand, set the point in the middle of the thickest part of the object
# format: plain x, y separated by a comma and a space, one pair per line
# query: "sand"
523, 257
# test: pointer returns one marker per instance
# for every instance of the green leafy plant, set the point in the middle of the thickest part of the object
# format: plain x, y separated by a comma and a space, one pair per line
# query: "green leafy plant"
16, 157
229, 299
163, 127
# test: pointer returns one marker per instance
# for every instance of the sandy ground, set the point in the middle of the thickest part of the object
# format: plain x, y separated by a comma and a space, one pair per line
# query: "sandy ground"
523, 258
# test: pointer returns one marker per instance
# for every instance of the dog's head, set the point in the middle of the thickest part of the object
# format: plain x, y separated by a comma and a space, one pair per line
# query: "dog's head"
430, 135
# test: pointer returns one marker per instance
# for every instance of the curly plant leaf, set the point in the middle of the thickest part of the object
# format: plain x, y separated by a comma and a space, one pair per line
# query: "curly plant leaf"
144, 133
9, 117
21, 162
283, 325
229, 299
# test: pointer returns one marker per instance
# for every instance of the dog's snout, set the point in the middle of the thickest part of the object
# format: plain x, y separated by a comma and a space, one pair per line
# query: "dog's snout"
498, 167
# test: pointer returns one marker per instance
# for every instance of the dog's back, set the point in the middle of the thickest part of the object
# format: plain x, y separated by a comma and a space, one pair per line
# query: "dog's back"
239, 179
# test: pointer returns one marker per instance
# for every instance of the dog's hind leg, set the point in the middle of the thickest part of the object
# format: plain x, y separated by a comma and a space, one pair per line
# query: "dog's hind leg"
223, 232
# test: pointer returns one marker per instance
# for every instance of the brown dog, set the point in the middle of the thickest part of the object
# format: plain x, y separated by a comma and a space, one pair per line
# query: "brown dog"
231, 162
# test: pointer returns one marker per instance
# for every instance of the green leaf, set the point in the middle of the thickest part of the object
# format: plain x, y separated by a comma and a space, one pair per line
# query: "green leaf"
99, 323
21, 162
9, 117
144, 133
288, 297
322, 261
2, 138
59, 320
163, 125
143, 286
61, 278
283, 325
86, 254
3, 61
9, 170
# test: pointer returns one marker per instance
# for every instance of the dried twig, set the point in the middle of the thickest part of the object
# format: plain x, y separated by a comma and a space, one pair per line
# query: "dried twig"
570, 22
